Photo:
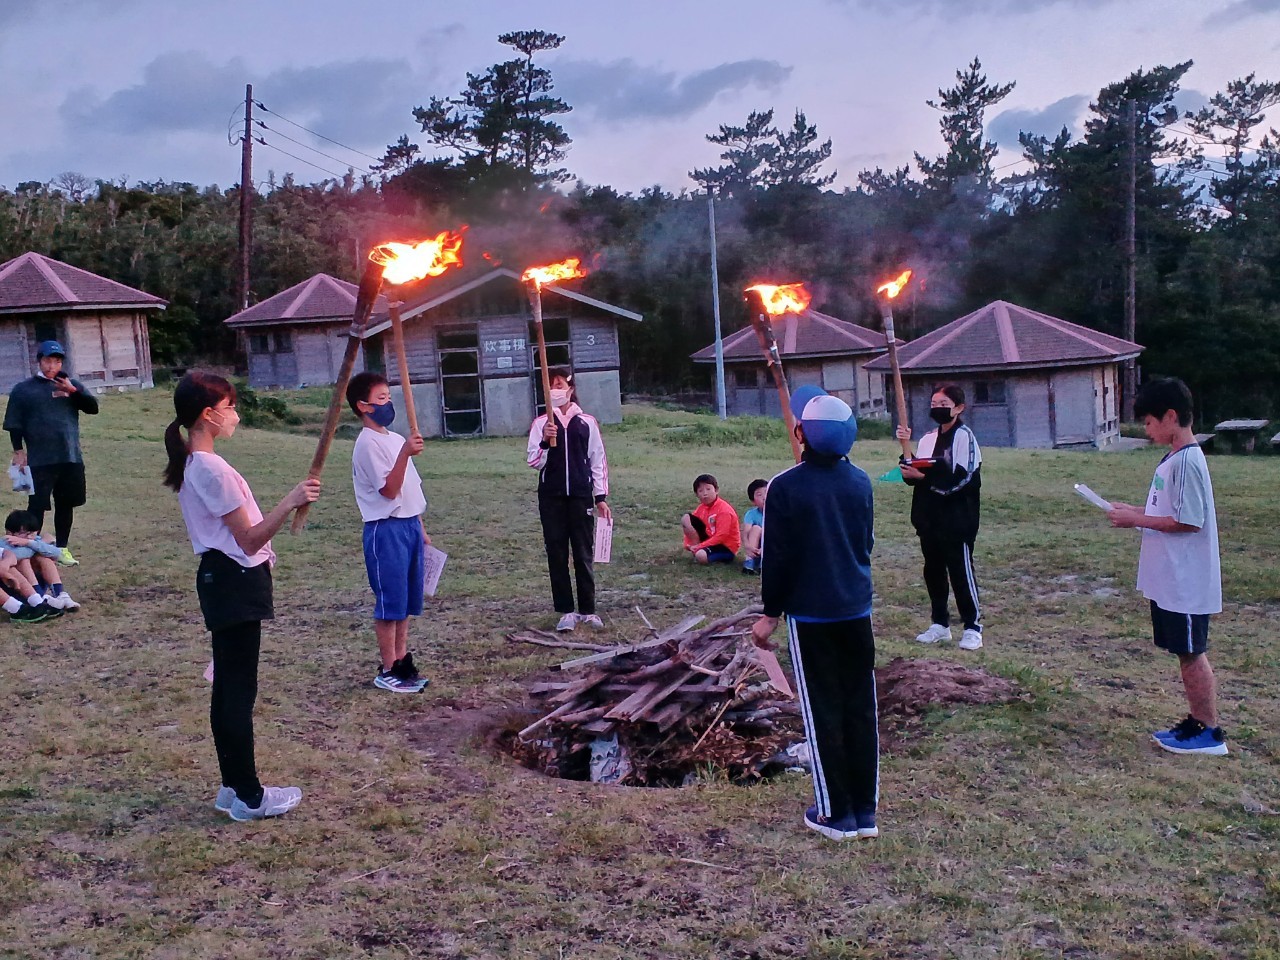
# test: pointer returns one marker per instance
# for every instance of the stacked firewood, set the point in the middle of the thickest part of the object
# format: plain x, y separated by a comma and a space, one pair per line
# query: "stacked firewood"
681, 698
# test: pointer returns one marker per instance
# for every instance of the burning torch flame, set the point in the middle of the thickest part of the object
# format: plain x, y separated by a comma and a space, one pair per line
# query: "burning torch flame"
788, 298
894, 287
565, 270
402, 262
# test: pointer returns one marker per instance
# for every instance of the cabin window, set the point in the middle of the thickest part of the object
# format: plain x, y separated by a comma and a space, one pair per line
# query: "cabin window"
746, 378
284, 342
988, 391
259, 343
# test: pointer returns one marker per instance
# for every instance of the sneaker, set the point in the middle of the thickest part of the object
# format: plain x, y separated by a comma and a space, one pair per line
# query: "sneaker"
66, 559
1208, 740
50, 611
590, 619
62, 601
936, 633
30, 614
1188, 726
567, 623
844, 828
969, 640
275, 801
389, 680
226, 797
866, 822
751, 567
406, 669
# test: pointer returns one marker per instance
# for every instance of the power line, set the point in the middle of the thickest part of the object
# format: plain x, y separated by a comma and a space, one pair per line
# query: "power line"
307, 146
300, 159
337, 143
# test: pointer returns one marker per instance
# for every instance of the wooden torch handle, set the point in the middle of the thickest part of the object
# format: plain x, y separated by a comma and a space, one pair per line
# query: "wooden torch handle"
370, 285
397, 337
899, 397
535, 303
769, 347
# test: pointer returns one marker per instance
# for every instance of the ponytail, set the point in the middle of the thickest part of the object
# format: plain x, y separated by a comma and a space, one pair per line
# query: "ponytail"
195, 393
177, 449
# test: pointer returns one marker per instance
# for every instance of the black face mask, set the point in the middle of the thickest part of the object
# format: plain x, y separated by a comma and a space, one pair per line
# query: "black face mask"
941, 415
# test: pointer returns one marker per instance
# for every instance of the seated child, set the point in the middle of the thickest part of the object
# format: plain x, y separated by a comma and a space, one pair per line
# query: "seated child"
711, 531
753, 526
26, 560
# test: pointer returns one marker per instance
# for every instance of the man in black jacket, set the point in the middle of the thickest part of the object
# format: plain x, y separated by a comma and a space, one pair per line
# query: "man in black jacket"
44, 416
817, 570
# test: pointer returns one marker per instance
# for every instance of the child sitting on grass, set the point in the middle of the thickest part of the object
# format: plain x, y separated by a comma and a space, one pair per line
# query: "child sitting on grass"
29, 564
753, 526
389, 493
711, 531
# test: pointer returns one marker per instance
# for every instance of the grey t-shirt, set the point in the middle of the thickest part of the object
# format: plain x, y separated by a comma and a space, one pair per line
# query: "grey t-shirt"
50, 426
1181, 572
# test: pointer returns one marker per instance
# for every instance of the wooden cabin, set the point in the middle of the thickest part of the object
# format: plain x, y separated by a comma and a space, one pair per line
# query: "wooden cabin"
471, 347
101, 323
1030, 380
816, 349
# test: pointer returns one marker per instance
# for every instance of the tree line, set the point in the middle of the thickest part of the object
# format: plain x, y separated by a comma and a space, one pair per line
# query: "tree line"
1049, 236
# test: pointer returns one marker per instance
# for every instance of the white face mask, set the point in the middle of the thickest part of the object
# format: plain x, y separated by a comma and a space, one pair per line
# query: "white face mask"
559, 398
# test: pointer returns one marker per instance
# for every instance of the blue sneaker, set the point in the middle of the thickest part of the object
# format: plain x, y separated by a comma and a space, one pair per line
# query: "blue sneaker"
1189, 726
842, 828
866, 822
1206, 740
226, 796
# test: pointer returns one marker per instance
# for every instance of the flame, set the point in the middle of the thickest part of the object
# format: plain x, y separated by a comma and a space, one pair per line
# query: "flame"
894, 287
788, 298
402, 262
564, 270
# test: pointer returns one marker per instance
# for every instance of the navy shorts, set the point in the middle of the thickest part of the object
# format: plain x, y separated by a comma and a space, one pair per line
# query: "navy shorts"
719, 554
1186, 633
394, 556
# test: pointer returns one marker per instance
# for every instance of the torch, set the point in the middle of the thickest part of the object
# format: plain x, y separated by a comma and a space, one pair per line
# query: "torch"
395, 263
763, 301
890, 291
533, 279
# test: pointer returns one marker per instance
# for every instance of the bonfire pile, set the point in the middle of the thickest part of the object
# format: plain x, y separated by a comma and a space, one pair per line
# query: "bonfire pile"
686, 698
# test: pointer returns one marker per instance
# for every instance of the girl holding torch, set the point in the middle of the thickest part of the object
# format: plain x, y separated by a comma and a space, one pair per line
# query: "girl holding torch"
566, 449
947, 479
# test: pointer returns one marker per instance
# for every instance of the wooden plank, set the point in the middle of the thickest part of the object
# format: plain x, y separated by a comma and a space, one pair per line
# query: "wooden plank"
666, 636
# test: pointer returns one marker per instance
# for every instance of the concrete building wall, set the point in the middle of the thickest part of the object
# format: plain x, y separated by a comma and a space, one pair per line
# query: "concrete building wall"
599, 394
508, 406
426, 399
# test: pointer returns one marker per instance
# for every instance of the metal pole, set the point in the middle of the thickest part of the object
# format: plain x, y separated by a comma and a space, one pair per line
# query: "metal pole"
1131, 258
721, 404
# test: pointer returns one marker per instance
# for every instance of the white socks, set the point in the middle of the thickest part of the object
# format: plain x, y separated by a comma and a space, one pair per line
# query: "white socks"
13, 605
35, 599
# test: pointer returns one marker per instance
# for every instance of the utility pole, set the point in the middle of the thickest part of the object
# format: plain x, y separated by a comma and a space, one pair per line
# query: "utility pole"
721, 406
246, 195
1131, 259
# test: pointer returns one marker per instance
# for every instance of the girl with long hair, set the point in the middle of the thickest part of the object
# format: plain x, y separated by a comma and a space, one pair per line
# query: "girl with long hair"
233, 541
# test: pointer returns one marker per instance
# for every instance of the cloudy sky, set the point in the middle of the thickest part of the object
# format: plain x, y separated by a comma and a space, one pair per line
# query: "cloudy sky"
147, 89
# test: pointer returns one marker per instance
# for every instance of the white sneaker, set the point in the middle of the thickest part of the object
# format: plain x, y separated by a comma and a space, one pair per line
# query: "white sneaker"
62, 601
936, 633
971, 640
567, 623
590, 619
275, 801
225, 798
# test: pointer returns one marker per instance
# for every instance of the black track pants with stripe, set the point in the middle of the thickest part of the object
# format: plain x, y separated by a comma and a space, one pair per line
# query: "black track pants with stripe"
951, 559
835, 673
568, 525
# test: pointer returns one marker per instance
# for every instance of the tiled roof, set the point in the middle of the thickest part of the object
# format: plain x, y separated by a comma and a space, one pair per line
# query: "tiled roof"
36, 282
1004, 335
320, 299
807, 334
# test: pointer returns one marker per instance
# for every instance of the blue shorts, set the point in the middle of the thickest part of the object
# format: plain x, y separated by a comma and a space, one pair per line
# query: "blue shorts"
1185, 633
394, 555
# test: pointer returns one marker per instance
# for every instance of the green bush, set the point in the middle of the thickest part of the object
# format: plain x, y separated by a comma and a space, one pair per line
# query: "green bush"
260, 409
878, 428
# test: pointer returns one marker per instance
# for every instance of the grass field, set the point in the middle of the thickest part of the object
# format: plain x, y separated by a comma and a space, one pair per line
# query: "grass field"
1050, 827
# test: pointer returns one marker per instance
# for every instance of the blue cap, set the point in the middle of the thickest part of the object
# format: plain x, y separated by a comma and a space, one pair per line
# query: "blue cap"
830, 426
50, 348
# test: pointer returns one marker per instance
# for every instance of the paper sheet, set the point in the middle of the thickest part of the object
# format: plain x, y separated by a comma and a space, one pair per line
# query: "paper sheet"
432, 569
604, 539
1092, 497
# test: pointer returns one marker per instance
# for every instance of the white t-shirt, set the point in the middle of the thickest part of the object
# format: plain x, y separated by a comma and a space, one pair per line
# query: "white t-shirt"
211, 488
1181, 571
371, 461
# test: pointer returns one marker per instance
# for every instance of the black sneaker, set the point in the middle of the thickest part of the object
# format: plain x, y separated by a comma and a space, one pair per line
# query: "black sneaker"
30, 614
49, 610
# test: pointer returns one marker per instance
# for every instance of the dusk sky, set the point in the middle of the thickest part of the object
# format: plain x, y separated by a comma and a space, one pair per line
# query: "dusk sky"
146, 89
